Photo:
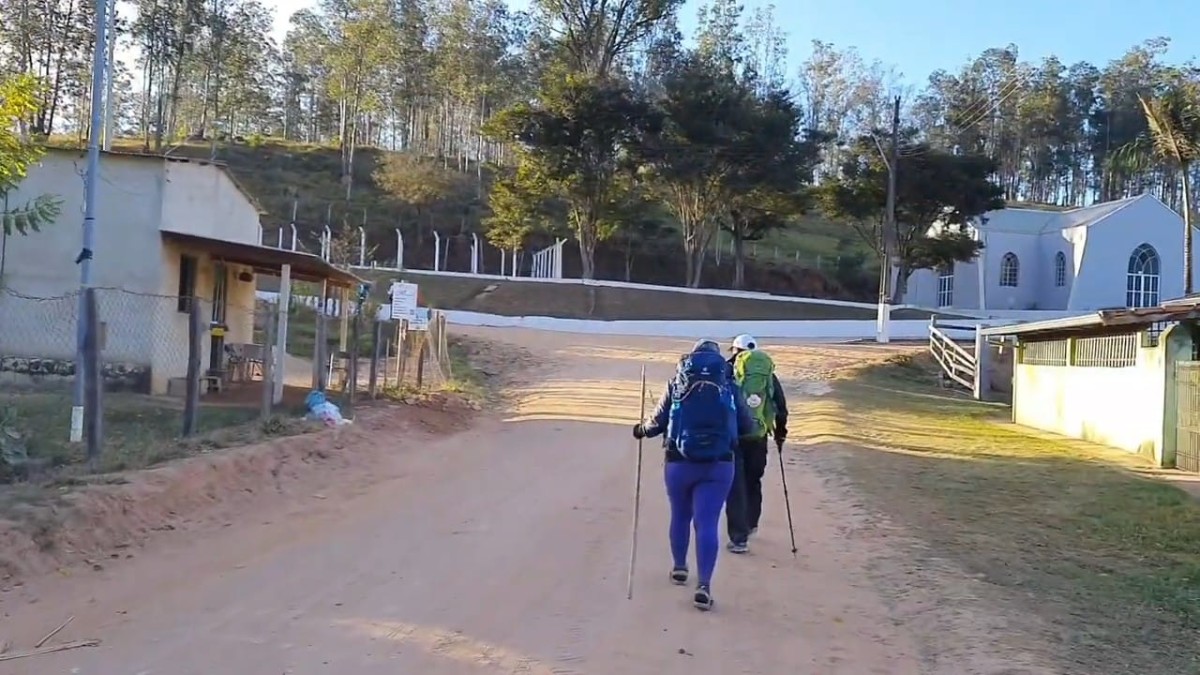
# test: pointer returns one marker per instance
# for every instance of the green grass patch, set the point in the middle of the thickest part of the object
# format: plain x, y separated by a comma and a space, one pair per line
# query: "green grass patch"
1108, 556
139, 432
465, 379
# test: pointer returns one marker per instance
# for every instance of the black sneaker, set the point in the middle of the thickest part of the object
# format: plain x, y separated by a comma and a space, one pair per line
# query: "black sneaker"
703, 599
737, 547
679, 576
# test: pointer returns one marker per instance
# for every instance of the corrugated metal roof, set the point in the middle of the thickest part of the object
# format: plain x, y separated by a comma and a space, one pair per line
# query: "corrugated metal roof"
1183, 309
305, 266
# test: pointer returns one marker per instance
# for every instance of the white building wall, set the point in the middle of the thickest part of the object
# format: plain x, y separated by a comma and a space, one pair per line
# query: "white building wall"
42, 264
136, 273
171, 342
204, 201
1050, 296
1078, 402
1104, 261
1024, 295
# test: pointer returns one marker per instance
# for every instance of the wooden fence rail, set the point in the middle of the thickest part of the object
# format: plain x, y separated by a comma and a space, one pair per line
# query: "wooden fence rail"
958, 364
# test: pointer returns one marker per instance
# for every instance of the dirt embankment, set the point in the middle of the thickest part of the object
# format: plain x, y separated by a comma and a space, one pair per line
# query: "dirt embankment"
110, 517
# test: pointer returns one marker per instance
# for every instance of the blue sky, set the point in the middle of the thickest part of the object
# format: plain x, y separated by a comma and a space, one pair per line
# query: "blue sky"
920, 36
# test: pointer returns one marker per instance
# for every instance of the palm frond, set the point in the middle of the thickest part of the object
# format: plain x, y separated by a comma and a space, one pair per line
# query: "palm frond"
1173, 120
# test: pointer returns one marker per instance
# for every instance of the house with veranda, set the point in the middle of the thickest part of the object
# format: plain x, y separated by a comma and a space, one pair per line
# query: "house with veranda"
169, 231
1125, 253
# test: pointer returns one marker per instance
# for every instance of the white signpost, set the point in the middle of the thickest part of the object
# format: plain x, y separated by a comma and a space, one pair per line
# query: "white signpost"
404, 306
420, 320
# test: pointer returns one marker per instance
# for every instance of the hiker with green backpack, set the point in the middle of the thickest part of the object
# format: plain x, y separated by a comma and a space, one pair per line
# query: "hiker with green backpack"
754, 373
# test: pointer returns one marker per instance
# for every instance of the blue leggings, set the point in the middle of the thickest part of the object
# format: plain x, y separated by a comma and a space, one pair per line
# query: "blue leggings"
697, 493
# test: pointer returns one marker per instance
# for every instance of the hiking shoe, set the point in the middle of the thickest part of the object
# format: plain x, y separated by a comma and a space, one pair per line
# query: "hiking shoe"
737, 547
703, 599
679, 576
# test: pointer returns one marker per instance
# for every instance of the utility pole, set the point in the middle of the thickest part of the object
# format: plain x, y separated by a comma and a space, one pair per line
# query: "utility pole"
109, 130
89, 214
891, 160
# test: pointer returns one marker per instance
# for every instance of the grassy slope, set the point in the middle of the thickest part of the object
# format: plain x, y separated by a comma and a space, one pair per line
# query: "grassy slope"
1109, 557
277, 173
575, 301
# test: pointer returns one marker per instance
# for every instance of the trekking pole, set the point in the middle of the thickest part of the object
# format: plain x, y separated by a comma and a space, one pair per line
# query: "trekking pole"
787, 501
637, 490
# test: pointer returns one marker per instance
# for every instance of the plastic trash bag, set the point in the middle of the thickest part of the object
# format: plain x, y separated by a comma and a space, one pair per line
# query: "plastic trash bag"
320, 409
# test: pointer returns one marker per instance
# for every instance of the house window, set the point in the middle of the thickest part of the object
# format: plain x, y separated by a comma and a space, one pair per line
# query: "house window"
187, 282
1141, 284
946, 286
1060, 269
1010, 270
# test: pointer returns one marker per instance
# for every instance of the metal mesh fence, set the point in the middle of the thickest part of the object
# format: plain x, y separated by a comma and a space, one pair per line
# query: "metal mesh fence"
179, 366
325, 344
159, 367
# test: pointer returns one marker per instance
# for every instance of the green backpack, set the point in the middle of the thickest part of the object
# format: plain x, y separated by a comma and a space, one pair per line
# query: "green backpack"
754, 372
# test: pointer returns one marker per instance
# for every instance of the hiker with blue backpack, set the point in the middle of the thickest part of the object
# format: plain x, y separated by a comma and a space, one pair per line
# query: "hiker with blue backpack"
754, 374
702, 414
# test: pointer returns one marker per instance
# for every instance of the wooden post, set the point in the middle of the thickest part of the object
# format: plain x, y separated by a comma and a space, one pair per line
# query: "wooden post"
191, 403
373, 379
320, 360
93, 420
268, 364
402, 351
352, 375
421, 360
983, 366
285, 303
444, 346
387, 360
344, 314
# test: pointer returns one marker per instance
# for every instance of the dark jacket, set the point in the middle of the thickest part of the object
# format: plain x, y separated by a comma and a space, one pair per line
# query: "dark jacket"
780, 399
659, 421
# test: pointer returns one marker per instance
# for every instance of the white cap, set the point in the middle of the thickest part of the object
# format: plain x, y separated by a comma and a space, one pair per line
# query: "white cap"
744, 342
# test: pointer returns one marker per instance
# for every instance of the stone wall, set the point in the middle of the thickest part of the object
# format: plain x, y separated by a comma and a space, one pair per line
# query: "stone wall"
125, 377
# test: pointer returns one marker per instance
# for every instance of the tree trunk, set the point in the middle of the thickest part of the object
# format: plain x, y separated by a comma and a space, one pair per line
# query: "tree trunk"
587, 255
901, 285
689, 260
739, 261
628, 259
1188, 272
697, 269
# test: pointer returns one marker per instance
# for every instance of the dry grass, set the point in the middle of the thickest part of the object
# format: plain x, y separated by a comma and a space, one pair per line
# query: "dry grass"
1109, 558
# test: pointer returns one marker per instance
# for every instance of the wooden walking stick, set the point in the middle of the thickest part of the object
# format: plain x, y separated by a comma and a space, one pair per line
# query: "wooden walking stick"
637, 490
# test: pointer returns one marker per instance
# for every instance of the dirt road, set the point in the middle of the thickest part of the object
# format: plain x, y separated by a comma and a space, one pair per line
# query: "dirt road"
502, 549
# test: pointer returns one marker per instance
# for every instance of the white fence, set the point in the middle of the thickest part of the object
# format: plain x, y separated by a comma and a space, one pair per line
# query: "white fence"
547, 267
836, 330
547, 263
333, 306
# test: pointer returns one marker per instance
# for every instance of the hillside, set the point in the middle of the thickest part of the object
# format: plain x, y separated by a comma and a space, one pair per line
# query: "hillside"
603, 303
815, 259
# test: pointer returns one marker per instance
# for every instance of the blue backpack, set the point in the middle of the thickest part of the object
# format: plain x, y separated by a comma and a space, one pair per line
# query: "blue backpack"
703, 409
